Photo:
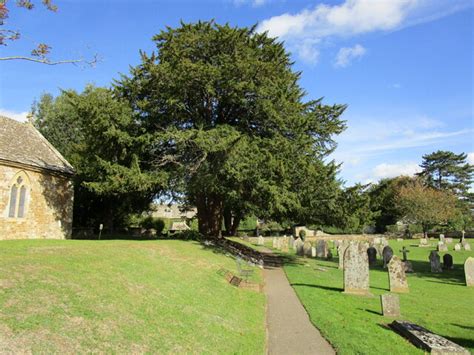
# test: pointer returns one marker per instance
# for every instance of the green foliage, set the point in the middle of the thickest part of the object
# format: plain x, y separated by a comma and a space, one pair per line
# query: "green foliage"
150, 222
98, 135
188, 235
248, 223
228, 119
302, 234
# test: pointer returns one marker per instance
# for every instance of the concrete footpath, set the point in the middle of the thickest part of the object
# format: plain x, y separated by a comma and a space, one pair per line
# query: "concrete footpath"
289, 329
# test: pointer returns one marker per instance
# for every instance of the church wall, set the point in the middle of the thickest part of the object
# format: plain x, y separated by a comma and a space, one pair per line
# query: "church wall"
48, 205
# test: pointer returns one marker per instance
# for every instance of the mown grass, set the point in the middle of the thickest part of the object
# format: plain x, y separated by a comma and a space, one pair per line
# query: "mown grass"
355, 325
124, 297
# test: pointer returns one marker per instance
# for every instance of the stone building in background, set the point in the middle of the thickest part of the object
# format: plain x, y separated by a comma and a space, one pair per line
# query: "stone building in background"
36, 191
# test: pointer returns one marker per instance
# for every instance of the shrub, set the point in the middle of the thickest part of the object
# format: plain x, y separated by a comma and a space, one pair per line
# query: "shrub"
391, 228
150, 222
188, 235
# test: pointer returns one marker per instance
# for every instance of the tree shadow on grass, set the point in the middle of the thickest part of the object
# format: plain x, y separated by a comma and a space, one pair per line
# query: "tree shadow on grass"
466, 343
463, 326
319, 286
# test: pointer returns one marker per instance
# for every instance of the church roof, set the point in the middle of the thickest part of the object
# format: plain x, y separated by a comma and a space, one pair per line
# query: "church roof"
21, 143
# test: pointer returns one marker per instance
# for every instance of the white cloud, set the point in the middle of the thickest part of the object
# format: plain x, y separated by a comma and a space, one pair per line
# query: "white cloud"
385, 170
18, 116
352, 18
396, 86
470, 158
347, 54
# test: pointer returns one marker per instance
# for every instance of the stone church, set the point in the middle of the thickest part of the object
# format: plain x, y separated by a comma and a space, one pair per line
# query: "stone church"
36, 192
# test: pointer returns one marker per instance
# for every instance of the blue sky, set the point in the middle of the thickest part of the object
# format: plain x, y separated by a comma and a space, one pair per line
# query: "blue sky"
404, 67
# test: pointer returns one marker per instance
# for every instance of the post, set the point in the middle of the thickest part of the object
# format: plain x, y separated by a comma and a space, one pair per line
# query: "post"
101, 226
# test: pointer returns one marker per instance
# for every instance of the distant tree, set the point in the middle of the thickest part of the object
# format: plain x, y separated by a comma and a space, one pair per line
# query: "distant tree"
96, 132
230, 124
426, 205
353, 209
448, 171
40, 54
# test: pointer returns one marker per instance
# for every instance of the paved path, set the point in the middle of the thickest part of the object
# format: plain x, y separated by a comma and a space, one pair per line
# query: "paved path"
289, 328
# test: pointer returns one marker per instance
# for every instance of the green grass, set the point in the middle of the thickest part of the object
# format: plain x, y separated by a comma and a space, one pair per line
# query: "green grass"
354, 325
124, 296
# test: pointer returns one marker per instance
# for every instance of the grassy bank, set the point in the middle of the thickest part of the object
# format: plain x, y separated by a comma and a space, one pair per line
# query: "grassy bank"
440, 302
124, 296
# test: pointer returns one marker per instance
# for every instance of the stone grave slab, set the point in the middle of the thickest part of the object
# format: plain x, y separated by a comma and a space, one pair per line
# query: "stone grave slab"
390, 305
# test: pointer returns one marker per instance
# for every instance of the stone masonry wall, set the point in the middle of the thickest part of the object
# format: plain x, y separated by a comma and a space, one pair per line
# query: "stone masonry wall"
48, 207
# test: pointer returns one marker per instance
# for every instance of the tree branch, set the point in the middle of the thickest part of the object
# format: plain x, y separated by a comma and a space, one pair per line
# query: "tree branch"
47, 61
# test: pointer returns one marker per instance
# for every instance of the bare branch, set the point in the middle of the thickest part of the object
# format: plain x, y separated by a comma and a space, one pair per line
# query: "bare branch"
47, 61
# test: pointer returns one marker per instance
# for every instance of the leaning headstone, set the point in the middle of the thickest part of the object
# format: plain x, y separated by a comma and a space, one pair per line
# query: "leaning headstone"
299, 247
307, 249
313, 252
390, 305
387, 254
457, 247
469, 271
321, 249
447, 261
467, 246
435, 262
396, 275
442, 247
340, 252
426, 340
372, 255
261, 240
356, 269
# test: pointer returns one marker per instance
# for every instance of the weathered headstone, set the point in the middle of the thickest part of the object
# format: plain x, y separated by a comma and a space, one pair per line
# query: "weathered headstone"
424, 242
299, 247
467, 246
426, 340
307, 249
329, 255
463, 235
442, 246
279, 243
469, 271
313, 252
408, 266
447, 261
377, 240
261, 240
397, 277
399, 239
372, 255
387, 254
356, 269
448, 240
321, 249
246, 238
457, 247
435, 262
390, 305
284, 244
441, 238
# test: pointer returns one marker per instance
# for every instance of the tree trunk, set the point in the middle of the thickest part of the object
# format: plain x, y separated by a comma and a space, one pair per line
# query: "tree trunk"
228, 221
209, 214
235, 225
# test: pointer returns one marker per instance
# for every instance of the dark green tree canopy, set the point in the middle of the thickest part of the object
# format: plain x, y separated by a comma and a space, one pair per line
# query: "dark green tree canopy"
230, 125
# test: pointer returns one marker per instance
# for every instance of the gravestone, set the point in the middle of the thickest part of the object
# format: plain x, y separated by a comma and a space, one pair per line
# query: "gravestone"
261, 240
313, 252
299, 247
372, 255
356, 269
408, 266
379, 248
399, 239
387, 254
447, 261
424, 242
463, 235
291, 241
340, 253
469, 271
321, 249
396, 274
467, 246
307, 249
246, 238
426, 340
284, 244
278, 243
404, 252
441, 238
442, 247
435, 262
274, 242
377, 240
448, 240
457, 247
390, 305
329, 255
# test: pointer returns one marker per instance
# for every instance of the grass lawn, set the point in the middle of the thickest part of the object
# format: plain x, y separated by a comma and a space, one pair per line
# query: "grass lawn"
121, 296
354, 325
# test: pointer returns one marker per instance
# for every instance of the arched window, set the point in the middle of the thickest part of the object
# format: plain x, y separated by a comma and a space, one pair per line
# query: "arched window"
18, 198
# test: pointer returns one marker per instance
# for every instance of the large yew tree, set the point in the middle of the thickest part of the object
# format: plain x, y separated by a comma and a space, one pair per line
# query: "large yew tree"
231, 126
